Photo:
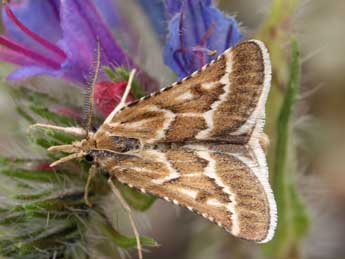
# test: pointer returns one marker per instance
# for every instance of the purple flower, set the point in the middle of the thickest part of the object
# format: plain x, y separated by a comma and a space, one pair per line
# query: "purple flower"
27, 48
198, 33
111, 14
59, 38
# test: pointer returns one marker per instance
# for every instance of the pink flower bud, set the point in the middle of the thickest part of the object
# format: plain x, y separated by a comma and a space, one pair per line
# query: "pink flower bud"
43, 167
108, 95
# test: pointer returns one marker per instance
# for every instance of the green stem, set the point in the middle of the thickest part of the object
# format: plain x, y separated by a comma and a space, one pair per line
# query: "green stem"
292, 219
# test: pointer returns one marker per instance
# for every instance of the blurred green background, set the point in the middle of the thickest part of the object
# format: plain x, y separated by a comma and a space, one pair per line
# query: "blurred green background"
316, 144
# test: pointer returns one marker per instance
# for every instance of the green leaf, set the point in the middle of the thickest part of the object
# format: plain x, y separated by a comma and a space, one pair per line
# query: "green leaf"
122, 74
46, 238
111, 74
58, 136
125, 241
4, 161
136, 199
30, 102
51, 116
32, 175
292, 219
31, 196
32, 96
25, 115
50, 137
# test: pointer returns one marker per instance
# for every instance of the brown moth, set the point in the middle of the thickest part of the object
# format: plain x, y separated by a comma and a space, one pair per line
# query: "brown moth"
196, 143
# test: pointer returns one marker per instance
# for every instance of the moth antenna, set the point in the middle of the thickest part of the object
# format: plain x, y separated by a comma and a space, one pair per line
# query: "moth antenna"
89, 102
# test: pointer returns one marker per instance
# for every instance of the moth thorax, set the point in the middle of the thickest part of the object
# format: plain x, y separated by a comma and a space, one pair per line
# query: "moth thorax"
87, 144
123, 144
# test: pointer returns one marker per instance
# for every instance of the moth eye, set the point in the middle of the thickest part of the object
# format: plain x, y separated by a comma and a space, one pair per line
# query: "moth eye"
89, 158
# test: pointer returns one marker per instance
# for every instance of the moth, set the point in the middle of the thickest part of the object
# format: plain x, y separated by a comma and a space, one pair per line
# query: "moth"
197, 143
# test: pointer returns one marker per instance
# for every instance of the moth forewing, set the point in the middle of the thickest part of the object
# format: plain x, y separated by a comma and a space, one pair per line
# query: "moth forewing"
221, 102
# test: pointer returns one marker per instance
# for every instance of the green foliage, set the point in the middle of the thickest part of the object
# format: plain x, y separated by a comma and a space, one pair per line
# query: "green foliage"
122, 240
42, 211
135, 199
122, 74
38, 216
292, 218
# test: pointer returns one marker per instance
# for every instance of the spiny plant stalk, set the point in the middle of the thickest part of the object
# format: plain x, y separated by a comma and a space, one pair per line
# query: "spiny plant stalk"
293, 221
42, 211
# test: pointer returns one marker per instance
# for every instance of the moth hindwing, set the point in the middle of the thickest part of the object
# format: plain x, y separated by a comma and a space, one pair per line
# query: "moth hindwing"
196, 143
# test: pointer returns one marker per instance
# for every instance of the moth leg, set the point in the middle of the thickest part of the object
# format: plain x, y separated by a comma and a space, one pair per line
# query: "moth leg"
92, 173
122, 103
68, 130
130, 216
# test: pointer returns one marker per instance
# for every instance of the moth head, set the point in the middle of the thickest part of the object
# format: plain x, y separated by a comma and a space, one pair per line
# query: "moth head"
78, 149
82, 148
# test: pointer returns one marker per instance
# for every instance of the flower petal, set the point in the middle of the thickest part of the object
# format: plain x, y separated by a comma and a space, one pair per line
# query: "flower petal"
40, 16
110, 12
118, 24
196, 32
14, 57
29, 71
82, 26
173, 6
75, 28
224, 25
